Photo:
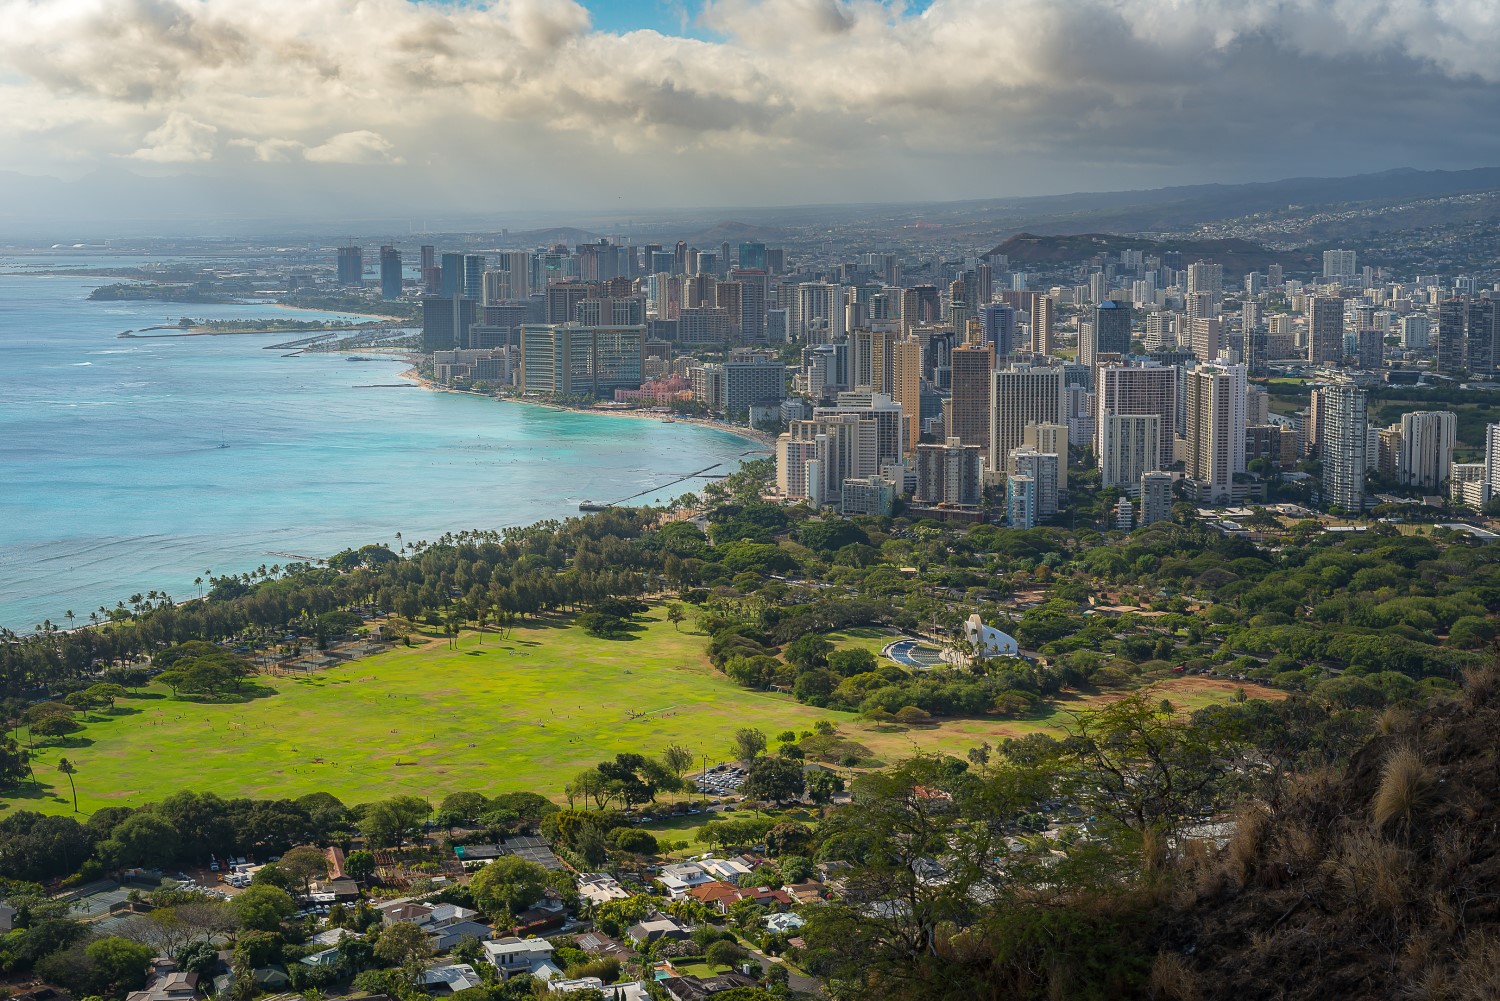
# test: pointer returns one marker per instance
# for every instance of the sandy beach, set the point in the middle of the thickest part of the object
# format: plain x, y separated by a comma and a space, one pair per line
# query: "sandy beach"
760, 438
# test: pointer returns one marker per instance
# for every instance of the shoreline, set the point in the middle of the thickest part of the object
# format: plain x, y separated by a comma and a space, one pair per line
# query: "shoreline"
763, 439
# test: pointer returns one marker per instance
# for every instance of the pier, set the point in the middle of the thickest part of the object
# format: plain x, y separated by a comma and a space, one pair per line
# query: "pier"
592, 506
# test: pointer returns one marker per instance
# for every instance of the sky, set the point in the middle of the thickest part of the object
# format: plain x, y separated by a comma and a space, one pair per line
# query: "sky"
401, 106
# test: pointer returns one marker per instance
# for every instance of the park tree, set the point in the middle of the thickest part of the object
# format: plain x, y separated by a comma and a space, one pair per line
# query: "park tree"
467, 805
360, 865
749, 743
262, 908
677, 758
143, 839
508, 885
774, 778
389, 822
725, 952
404, 945
15, 763
306, 863
823, 785
119, 965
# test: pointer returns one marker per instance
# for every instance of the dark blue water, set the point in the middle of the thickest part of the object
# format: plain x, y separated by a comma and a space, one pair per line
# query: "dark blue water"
113, 481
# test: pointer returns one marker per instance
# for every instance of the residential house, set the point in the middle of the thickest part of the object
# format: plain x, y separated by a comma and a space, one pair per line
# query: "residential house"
682, 877
809, 892
765, 896
596, 943
612, 992
450, 979
783, 923
729, 870
718, 895
656, 927
691, 988
513, 956
167, 983
445, 924
600, 888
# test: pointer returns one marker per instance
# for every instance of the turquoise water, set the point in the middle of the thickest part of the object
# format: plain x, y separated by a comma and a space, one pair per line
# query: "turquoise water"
113, 481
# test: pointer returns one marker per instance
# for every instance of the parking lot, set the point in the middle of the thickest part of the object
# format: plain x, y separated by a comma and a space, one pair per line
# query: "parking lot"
721, 780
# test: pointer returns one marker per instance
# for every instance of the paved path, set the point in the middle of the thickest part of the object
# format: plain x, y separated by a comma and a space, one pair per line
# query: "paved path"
796, 981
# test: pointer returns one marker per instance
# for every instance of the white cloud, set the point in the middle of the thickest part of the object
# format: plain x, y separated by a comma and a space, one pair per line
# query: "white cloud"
854, 97
180, 139
362, 146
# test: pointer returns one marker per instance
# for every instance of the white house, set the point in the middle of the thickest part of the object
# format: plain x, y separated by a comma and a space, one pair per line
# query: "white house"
600, 888
682, 877
729, 870
513, 956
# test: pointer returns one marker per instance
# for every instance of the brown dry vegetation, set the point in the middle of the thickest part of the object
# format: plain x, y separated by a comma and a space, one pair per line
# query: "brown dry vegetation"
1378, 881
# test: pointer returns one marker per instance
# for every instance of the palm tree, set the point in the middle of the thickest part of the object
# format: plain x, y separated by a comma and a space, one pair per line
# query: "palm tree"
198, 583
69, 616
66, 767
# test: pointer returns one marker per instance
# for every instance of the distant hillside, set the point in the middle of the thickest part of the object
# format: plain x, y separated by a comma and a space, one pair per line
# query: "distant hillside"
1238, 256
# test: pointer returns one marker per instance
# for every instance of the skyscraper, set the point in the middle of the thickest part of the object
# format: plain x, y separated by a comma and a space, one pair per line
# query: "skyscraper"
1043, 318
906, 385
1156, 497
999, 323
1111, 329
969, 405
1339, 265
1042, 468
474, 276
1216, 430
351, 267
1020, 501
949, 473
1426, 455
1140, 389
390, 273
1022, 395
1129, 447
1325, 330
1344, 446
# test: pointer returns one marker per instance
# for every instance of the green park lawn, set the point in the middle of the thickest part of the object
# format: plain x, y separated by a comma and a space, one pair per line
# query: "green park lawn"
494, 715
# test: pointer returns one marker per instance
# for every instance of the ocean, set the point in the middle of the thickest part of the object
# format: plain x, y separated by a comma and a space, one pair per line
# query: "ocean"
113, 478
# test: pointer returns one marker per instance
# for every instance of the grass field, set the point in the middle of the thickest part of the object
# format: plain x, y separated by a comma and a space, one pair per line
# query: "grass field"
523, 713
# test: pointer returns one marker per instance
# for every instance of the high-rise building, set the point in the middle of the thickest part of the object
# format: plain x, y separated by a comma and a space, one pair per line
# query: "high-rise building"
1426, 455
452, 284
474, 276
906, 385
1215, 430
569, 359
1344, 445
429, 256
351, 267
819, 313
446, 322
1043, 319
814, 457
1141, 389
1022, 395
1204, 276
1206, 337
563, 299
880, 408
1020, 501
1482, 336
969, 403
949, 473
1325, 330
733, 387
390, 272
1156, 497
1339, 265
1052, 438
998, 320
1042, 468
871, 358
1111, 330
753, 255
1129, 447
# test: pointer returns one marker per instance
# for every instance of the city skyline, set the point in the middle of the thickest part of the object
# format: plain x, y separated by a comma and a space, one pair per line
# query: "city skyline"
388, 105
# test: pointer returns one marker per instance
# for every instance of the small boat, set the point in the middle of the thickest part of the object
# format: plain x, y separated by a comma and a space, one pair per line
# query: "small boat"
668, 420
592, 506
